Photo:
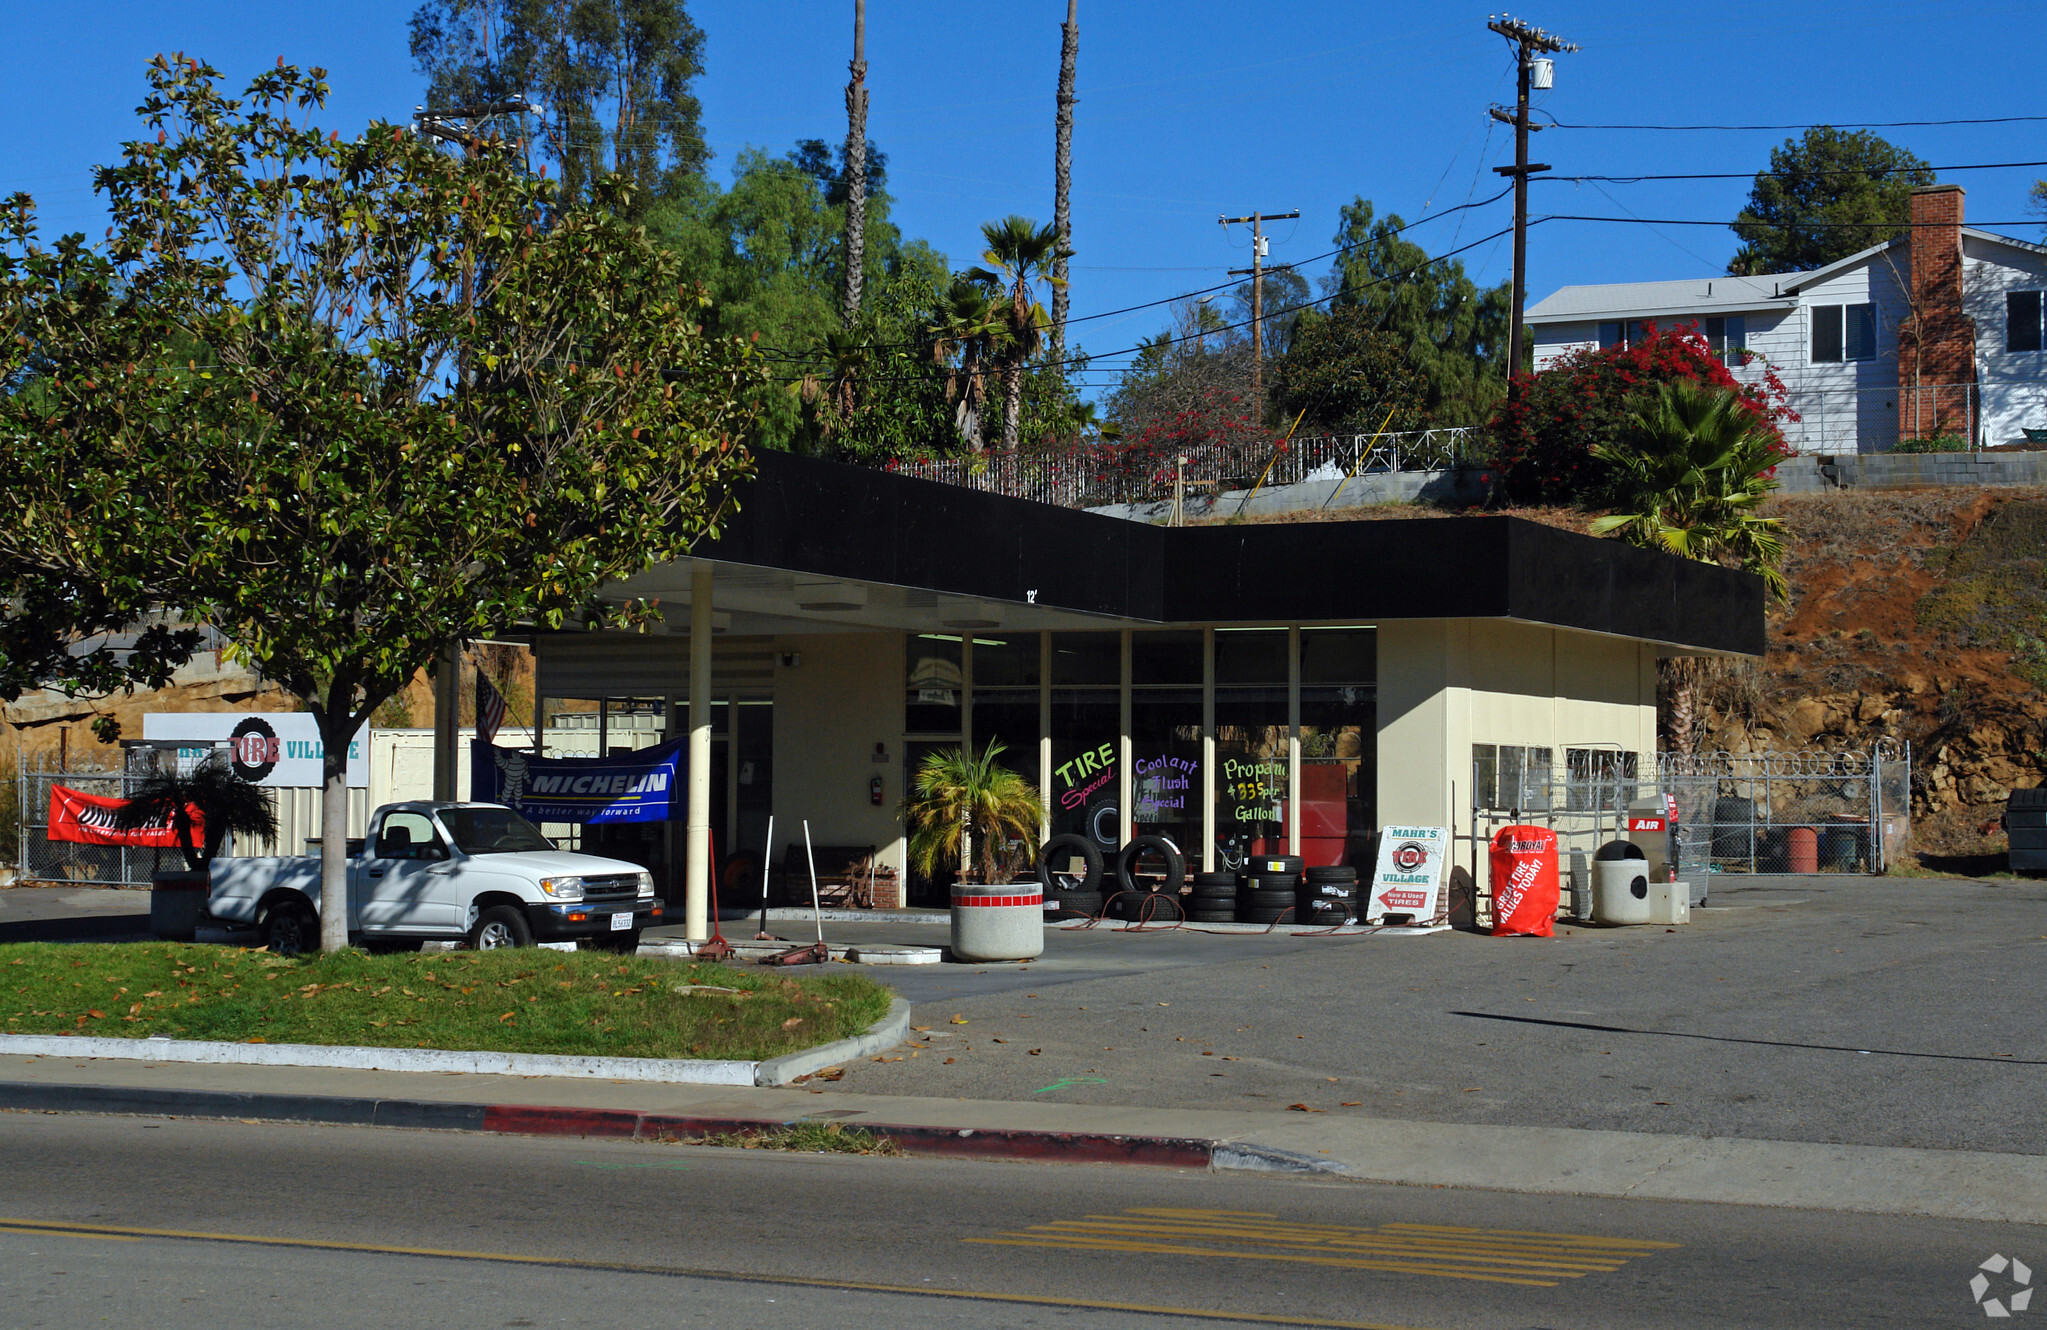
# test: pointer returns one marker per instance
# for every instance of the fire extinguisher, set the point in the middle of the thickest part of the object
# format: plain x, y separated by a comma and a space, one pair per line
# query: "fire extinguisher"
874, 791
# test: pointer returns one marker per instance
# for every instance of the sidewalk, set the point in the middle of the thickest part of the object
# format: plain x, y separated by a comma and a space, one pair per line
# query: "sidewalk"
1947, 1184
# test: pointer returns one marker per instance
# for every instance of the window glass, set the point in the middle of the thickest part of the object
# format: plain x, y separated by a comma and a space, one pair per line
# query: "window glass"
1165, 658
2022, 321
1339, 655
1251, 770
1165, 765
1006, 660
1609, 336
1250, 656
492, 831
1085, 782
1826, 333
1511, 778
408, 836
1599, 778
931, 699
1860, 333
1339, 745
1008, 716
1087, 658
1727, 338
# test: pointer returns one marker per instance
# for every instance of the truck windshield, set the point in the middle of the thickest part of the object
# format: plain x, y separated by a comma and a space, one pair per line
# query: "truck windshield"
492, 831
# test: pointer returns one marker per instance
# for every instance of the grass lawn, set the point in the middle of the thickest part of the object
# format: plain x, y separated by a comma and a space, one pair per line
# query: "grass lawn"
511, 1001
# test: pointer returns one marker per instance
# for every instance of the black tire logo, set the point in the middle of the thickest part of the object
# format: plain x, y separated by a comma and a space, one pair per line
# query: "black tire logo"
253, 749
1408, 856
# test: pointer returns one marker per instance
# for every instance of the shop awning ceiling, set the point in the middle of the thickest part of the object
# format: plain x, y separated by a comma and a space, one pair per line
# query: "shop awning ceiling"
819, 546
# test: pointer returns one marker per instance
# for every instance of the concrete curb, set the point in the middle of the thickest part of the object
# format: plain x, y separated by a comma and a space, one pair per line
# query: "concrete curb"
887, 1032
884, 1033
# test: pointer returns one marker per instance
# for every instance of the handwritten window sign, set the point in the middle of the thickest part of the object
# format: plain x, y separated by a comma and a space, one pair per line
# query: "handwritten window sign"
1084, 776
1163, 784
1254, 790
1408, 877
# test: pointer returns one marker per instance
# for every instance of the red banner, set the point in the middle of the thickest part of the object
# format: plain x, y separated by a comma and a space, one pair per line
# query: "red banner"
89, 820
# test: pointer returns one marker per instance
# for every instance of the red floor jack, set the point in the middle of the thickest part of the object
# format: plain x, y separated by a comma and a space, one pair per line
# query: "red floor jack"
717, 949
816, 953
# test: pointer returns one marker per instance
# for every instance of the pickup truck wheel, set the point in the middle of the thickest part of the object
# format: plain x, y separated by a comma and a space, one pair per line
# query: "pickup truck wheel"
500, 926
290, 929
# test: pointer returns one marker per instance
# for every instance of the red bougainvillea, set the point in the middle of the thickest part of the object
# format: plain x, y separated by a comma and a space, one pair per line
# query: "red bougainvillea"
1542, 436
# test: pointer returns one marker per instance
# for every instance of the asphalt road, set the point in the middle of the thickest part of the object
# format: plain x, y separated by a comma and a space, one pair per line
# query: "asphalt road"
193, 1225
1847, 1010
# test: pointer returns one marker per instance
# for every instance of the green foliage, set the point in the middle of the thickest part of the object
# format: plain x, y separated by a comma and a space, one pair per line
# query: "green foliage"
1826, 195
1690, 471
1993, 590
1932, 443
227, 806
1021, 255
526, 1000
587, 62
1347, 376
961, 803
319, 489
1453, 333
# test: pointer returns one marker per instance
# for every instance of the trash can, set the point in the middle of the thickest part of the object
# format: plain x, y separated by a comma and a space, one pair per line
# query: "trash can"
1005, 923
1620, 884
175, 902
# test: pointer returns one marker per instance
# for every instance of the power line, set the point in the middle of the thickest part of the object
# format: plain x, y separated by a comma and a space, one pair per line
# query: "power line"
1831, 226
1838, 124
1755, 175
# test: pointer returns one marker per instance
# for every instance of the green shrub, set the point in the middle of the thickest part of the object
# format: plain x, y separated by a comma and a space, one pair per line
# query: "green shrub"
1933, 443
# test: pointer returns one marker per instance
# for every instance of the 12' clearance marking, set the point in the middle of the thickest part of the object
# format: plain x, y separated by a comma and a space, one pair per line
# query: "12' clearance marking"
124, 1233
1494, 1256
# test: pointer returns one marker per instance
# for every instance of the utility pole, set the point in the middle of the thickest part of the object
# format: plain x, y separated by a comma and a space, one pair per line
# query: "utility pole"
458, 126
1530, 46
1256, 272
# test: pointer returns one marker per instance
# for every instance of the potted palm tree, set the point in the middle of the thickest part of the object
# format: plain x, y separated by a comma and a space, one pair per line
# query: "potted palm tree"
203, 807
965, 806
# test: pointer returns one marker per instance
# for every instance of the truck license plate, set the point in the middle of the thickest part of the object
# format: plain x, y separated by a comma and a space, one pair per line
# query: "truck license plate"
621, 922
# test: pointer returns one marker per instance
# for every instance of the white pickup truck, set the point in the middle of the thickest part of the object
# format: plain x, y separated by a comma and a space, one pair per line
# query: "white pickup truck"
478, 873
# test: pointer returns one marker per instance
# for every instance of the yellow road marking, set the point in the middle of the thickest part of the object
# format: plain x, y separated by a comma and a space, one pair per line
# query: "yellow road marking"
46, 1233
54, 1227
1496, 1256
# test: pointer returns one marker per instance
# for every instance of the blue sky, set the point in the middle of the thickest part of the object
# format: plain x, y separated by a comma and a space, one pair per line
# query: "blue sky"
1187, 109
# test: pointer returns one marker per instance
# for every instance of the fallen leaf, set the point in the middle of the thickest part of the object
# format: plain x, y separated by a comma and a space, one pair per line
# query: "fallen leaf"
97, 1015
884, 1059
792, 1022
959, 1020
1165, 1004
998, 1041
1303, 1108
950, 1061
1473, 1089
832, 1074
507, 1016
1035, 1051
1330, 1079
921, 1029
1352, 1103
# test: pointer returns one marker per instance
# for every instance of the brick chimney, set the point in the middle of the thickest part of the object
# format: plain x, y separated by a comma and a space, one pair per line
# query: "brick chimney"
1936, 340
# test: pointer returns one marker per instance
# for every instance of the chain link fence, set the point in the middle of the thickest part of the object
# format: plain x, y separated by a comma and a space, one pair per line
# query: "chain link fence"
46, 860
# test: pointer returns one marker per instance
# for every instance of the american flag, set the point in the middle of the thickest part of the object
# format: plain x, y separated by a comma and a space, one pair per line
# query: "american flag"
490, 708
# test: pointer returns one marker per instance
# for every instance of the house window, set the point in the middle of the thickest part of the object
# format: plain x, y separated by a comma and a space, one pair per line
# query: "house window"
1727, 338
1622, 335
1599, 778
2022, 321
1843, 332
1510, 778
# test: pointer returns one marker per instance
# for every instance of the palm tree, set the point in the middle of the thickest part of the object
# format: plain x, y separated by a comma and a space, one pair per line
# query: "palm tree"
226, 804
966, 327
829, 402
1690, 472
1020, 254
958, 798
1062, 172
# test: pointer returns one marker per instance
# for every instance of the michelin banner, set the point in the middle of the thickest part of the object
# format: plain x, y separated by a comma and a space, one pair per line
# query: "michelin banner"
637, 787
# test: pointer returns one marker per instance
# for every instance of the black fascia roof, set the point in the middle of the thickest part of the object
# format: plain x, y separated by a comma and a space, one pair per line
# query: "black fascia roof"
861, 524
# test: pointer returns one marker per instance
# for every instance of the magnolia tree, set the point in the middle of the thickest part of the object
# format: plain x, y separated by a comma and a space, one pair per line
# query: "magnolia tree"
351, 400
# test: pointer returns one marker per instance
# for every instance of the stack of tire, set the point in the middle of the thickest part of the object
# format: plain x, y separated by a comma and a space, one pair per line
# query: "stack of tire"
1328, 897
1149, 872
1214, 899
1070, 871
1268, 889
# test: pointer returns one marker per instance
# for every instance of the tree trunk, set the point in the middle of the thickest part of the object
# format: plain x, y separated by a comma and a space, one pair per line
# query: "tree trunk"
1062, 185
334, 837
1680, 680
856, 164
1012, 402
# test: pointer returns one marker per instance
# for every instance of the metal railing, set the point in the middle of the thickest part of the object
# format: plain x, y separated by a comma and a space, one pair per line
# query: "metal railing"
1095, 475
1991, 414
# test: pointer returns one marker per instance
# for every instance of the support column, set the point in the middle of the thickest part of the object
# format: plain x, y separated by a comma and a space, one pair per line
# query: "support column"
1126, 787
1208, 750
1293, 741
697, 882
1045, 732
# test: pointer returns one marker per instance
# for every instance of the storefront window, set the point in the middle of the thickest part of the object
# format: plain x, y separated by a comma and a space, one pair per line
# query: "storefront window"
931, 694
1250, 743
1087, 717
1165, 738
1006, 670
1339, 725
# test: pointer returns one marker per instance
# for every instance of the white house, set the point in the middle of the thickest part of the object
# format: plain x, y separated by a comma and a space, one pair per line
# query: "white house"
1936, 332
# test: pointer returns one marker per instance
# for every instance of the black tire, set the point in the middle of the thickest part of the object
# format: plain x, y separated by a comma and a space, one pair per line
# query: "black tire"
1212, 916
290, 928
1081, 902
1158, 908
1217, 882
1270, 886
1332, 874
1126, 866
1330, 891
1285, 914
1271, 865
500, 926
1059, 850
1326, 913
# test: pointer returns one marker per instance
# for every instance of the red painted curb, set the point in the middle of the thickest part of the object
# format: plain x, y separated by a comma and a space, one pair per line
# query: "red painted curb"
963, 1142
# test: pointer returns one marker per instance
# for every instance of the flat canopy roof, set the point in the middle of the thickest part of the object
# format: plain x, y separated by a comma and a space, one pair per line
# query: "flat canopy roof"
918, 554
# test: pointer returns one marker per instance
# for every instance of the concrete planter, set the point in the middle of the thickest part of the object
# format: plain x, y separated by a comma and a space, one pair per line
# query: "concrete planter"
175, 902
998, 923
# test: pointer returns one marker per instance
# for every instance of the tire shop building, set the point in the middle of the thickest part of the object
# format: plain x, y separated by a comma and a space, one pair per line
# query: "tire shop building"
1281, 688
